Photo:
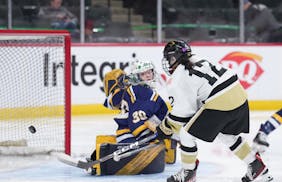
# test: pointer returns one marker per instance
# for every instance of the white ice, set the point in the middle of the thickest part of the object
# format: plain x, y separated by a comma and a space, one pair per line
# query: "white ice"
217, 164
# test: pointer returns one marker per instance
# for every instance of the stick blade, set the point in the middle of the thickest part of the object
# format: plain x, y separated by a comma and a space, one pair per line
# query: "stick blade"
66, 159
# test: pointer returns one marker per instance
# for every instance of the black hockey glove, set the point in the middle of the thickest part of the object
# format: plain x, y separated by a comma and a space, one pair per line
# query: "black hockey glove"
164, 130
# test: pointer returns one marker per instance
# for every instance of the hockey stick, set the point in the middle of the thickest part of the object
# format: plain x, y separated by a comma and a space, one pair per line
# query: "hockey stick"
86, 165
132, 152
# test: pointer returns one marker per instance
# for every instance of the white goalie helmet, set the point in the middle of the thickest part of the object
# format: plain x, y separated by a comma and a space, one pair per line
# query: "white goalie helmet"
143, 72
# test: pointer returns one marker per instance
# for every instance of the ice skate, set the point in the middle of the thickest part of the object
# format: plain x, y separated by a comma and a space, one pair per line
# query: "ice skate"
257, 169
260, 142
184, 175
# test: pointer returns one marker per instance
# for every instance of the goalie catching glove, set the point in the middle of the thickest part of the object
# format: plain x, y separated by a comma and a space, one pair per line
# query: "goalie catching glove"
164, 130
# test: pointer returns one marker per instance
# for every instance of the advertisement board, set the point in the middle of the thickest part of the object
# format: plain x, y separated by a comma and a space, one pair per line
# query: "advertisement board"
258, 67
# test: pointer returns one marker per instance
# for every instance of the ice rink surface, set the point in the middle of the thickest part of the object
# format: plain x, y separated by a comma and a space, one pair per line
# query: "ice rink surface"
217, 164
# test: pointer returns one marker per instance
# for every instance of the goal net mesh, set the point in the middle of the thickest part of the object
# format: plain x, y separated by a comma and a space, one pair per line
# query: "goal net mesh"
32, 94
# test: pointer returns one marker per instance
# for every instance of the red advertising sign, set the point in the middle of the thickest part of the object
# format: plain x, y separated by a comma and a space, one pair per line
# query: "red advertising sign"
246, 65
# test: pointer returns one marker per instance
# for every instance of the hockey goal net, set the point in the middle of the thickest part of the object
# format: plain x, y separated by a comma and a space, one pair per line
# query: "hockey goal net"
35, 110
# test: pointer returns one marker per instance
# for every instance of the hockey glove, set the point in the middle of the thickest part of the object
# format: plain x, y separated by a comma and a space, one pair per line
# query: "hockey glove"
164, 130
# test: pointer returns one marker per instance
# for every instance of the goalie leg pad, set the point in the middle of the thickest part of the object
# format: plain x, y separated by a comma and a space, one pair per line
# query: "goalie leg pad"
170, 150
145, 162
100, 140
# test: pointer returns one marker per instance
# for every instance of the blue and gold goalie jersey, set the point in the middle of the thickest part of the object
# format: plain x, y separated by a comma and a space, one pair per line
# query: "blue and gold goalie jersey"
141, 110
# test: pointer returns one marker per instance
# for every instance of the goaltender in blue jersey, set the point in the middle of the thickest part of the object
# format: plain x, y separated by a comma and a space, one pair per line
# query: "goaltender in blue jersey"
141, 107
141, 110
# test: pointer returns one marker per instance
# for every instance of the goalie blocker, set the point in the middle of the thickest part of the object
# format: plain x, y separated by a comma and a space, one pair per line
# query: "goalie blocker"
147, 161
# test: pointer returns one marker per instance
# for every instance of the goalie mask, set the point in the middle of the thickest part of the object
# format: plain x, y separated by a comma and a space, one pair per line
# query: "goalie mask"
143, 72
115, 83
175, 53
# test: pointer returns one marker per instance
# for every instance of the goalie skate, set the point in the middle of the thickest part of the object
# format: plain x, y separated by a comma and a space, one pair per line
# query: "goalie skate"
257, 170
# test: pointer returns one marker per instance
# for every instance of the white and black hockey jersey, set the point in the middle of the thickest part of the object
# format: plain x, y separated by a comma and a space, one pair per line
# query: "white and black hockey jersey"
190, 89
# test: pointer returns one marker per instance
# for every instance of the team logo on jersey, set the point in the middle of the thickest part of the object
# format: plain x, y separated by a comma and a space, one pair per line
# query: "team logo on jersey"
247, 66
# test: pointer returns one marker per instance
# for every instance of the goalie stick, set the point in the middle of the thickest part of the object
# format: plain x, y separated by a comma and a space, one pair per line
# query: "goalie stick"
129, 153
123, 152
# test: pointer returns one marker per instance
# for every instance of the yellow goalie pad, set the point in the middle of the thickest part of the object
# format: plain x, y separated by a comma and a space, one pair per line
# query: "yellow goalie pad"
147, 156
100, 139
145, 162
170, 150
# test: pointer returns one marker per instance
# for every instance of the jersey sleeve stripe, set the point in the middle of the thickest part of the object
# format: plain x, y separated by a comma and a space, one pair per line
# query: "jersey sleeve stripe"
223, 85
122, 131
277, 117
138, 130
132, 95
154, 96
179, 119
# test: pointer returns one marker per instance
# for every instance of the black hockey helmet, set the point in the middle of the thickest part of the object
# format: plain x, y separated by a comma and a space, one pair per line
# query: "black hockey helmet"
175, 52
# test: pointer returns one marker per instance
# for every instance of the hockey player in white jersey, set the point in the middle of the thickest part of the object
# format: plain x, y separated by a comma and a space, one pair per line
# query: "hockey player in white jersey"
208, 102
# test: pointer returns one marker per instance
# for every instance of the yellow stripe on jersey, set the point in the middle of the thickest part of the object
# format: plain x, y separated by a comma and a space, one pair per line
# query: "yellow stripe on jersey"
138, 130
277, 117
132, 95
122, 131
154, 96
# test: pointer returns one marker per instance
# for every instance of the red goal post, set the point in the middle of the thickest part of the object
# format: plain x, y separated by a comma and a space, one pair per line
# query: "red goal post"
35, 91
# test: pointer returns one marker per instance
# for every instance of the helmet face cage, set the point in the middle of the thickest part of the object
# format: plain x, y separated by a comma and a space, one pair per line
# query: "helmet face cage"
175, 53
139, 67
168, 63
166, 66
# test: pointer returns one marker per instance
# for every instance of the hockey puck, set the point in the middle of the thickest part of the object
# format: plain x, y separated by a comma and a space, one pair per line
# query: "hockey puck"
32, 129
